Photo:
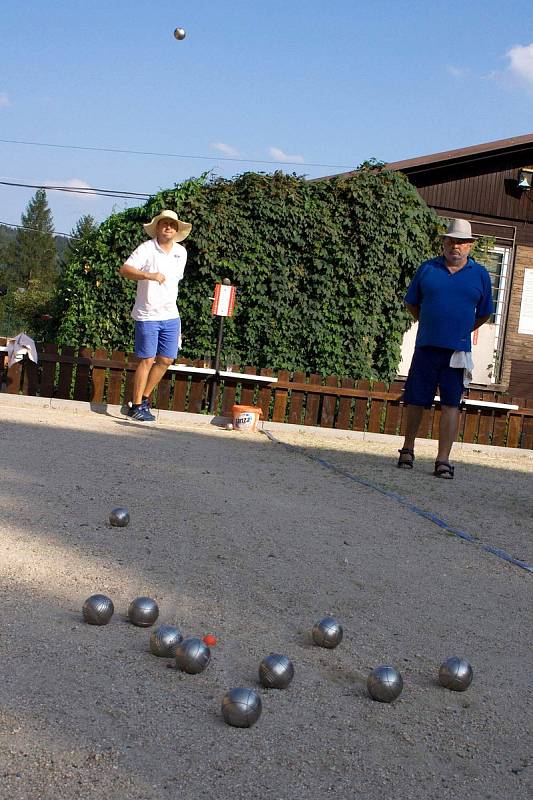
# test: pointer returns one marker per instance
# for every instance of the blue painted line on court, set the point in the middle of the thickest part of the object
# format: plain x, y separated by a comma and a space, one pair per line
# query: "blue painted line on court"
467, 537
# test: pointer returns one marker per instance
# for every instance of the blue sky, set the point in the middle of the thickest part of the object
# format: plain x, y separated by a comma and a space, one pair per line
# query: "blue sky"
300, 81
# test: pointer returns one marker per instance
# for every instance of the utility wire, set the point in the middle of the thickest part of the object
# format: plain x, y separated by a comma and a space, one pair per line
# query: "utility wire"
174, 155
89, 190
26, 228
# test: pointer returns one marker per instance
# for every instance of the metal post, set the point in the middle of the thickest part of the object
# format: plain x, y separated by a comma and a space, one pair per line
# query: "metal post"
214, 384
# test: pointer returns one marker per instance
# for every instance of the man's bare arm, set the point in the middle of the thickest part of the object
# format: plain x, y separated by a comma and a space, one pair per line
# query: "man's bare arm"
480, 321
413, 310
134, 274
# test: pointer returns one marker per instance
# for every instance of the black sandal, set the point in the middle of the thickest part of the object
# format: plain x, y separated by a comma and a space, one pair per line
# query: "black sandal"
407, 458
443, 469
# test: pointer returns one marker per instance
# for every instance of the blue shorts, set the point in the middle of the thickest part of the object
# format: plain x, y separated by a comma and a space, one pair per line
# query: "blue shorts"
430, 368
157, 338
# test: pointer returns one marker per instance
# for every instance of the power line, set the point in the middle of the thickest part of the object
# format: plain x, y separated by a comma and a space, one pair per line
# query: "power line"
174, 155
88, 190
26, 228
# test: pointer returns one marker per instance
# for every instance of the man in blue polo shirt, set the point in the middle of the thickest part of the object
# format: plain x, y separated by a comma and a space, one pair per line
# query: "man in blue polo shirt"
450, 296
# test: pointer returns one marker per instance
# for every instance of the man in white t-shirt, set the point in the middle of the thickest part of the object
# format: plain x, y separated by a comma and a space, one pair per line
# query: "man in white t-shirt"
157, 266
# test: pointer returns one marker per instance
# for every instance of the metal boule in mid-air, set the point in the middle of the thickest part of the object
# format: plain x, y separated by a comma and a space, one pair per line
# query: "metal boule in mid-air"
192, 655
455, 674
241, 707
327, 633
276, 671
384, 684
164, 639
119, 517
98, 609
179, 34
143, 612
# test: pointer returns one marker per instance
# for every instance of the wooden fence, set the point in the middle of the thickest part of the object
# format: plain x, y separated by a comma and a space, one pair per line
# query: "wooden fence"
297, 398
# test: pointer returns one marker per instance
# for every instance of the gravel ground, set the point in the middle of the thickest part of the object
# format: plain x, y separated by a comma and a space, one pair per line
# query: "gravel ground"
241, 537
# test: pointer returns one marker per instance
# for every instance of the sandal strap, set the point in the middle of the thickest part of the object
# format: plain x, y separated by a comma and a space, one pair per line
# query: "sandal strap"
447, 468
406, 462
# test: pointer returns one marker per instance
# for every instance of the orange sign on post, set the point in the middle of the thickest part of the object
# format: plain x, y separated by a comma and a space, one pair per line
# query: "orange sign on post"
223, 301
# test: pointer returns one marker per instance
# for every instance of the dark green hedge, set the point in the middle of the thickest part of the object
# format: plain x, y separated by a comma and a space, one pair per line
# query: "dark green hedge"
321, 269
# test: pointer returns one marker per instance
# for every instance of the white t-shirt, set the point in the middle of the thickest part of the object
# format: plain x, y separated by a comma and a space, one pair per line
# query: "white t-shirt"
157, 301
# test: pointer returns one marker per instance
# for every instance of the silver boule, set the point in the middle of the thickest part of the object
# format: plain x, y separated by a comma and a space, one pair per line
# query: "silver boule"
192, 655
327, 633
276, 671
143, 612
455, 674
179, 34
241, 707
385, 684
119, 517
164, 639
98, 609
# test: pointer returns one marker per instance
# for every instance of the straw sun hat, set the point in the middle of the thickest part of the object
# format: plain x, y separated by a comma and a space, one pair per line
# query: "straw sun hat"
184, 228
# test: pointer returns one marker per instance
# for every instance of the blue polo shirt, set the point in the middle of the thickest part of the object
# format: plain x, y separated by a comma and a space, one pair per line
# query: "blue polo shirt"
449, 302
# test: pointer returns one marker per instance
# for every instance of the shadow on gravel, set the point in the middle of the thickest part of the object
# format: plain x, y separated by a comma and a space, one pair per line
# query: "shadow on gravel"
245, 539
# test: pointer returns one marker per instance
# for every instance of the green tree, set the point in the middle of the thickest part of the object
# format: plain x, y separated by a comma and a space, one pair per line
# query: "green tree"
85, 226
31, 272
28, 309
34, 255
320, 267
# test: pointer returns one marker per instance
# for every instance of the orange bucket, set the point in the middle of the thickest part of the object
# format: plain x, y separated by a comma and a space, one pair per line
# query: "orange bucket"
245, 418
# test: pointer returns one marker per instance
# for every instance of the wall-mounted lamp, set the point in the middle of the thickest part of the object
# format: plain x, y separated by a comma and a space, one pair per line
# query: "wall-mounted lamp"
525, 179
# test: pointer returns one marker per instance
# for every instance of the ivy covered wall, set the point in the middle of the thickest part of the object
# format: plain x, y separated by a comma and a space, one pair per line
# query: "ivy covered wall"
320, 267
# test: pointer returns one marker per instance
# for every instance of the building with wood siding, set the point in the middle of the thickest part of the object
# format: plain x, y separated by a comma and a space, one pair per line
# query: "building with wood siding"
482, 184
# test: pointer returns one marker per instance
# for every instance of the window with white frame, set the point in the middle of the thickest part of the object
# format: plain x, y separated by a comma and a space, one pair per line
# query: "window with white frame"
497, 265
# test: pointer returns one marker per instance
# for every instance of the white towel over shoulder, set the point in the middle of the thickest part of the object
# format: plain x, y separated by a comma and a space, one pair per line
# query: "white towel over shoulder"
20, 346
462, 360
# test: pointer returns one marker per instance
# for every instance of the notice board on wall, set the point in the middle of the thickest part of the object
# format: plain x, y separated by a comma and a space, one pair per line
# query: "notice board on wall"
525, 321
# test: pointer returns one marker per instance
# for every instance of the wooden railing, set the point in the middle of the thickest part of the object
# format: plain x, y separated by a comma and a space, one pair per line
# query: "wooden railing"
297, 398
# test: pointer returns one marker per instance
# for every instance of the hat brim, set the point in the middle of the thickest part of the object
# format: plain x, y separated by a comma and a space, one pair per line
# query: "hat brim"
457, 236
184, 228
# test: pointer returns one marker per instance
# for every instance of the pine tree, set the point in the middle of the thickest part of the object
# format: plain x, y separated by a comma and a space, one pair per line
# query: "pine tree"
83, 228
32, 267
34, 252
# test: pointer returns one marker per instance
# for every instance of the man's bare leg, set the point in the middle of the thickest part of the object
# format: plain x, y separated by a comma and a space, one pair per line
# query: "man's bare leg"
412, 424
449, 425
413, 416
139, 381
156, 373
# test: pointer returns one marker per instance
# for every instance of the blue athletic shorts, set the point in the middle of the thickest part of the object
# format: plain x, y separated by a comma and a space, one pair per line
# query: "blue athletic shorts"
430, 368
157, 338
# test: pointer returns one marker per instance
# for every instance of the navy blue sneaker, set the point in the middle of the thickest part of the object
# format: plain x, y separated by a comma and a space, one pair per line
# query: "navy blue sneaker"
141, 413
145, 403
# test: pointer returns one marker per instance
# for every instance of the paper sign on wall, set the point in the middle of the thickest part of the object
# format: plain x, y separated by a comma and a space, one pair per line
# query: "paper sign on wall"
525, 321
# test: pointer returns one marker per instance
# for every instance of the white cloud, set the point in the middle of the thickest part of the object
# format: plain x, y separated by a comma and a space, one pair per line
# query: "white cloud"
456, 72
76, 183
521, 63
4, 100
225, 149
73, 183
279, 155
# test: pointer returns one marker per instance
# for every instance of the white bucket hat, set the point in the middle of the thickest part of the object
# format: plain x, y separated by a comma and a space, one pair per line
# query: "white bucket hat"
184, 228
459, 229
